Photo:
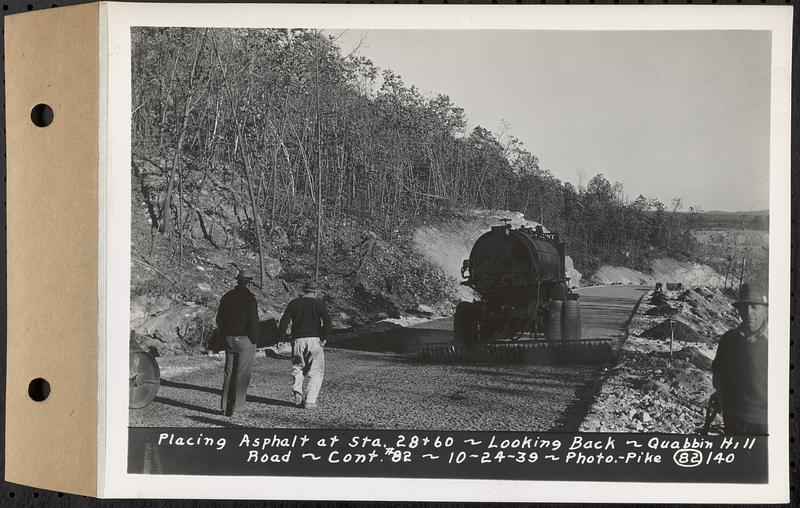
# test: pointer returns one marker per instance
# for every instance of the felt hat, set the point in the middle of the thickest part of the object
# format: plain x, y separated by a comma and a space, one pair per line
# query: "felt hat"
310, 286
245, 275
753, 293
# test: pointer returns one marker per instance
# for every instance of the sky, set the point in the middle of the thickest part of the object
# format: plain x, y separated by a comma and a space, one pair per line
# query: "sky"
666, 113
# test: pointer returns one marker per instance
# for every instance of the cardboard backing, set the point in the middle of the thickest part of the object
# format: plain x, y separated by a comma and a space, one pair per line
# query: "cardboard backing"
52, 57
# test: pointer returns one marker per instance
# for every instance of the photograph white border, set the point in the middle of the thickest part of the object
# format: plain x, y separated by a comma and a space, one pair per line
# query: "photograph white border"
116, 22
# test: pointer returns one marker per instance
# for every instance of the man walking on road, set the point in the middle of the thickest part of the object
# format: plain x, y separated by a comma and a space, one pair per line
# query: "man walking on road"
237, 319
740, 367
311, 326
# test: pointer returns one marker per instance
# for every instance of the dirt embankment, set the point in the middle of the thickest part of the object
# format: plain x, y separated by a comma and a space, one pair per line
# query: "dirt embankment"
651, 389
687, 273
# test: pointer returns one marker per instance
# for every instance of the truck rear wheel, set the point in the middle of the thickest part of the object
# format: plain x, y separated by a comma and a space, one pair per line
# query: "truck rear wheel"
572, 320
465, 322
554, 320
486, 331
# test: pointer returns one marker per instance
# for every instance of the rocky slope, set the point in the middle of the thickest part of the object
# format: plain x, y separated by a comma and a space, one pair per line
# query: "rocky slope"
176, 283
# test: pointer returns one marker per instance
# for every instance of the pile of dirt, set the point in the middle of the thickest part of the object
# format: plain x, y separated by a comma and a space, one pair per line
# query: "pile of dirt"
673, 329
703, 311
658, 298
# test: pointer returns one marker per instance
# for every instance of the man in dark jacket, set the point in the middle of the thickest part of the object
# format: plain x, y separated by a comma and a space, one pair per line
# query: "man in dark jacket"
237, 319
740, 367
311, 326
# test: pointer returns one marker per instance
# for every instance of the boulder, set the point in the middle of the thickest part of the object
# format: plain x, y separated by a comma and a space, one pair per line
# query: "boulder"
144, 306
693, 355
218, 258
425, 309
210, 229
272, 266
172, 324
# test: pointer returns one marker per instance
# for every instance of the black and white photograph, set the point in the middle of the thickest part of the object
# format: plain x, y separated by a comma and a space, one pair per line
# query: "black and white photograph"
512, 234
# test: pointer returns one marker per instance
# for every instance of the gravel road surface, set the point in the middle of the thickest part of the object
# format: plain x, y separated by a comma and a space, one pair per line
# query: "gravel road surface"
384, 387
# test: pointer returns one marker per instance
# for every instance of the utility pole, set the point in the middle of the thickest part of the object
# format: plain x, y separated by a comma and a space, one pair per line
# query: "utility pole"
319, 159
741, 276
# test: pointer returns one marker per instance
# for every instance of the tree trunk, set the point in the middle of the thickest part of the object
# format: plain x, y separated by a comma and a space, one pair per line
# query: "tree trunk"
247, 170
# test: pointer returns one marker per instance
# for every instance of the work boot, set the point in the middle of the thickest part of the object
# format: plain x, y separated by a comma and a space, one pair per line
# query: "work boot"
298, 399
311, 405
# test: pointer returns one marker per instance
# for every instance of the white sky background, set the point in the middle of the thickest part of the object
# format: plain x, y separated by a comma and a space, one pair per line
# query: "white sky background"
666, 113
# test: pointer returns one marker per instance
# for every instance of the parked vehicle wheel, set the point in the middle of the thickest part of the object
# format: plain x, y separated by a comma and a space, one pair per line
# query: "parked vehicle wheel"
554, 320
572, 320
144, 377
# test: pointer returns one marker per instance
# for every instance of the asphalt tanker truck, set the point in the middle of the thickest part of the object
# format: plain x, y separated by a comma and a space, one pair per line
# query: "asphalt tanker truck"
521, 278
525, 310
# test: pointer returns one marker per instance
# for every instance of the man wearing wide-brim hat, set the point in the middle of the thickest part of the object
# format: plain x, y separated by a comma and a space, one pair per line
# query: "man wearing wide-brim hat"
237, 319
740, 367
311, 326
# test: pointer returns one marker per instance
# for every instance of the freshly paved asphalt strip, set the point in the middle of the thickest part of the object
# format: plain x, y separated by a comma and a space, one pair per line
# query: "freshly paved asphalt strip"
386, 388
605, 310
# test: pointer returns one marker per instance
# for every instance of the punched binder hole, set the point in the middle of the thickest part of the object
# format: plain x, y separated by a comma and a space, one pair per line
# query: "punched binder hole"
39, 389
42, 115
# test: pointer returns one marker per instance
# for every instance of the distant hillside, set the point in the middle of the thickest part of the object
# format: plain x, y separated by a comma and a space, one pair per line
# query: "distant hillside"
748, 213
753, 220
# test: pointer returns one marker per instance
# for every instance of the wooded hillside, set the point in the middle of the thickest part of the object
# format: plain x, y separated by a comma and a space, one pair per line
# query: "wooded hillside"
277, 138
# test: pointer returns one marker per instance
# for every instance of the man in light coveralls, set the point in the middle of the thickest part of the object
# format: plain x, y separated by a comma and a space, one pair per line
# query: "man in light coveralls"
311, 326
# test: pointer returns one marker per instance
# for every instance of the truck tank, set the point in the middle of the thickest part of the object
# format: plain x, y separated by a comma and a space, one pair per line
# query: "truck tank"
525, 310
520, 277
